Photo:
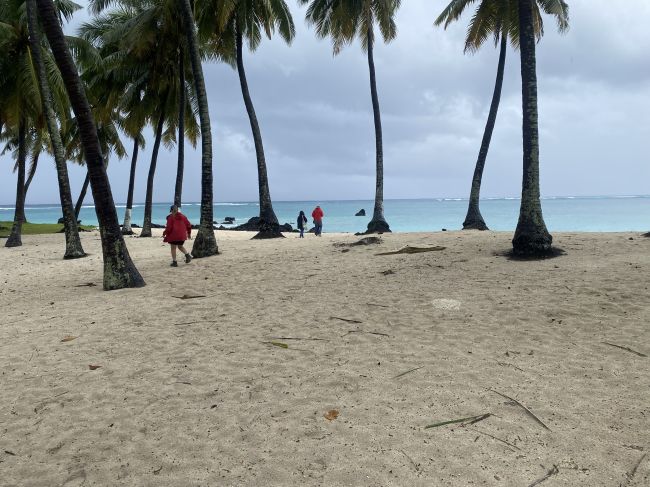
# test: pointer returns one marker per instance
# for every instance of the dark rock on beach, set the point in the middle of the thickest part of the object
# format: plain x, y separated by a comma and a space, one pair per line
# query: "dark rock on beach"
361, 212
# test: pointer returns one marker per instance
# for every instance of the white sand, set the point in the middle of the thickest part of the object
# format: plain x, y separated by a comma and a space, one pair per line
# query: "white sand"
191, 392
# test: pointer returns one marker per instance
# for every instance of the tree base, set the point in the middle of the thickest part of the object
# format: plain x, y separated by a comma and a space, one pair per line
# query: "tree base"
268, 230
264, 234
475, 224
377, 226
205, 243
145, 233
74, 254
532, 245
14, 239
128, 232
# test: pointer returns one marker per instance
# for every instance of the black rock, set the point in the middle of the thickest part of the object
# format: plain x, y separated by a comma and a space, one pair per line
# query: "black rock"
444, 229
229, 219
252, 225
361, 212
286, 228
156, 225
135, 225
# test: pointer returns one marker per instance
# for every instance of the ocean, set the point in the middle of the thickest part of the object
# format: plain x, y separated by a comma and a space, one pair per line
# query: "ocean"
562, 214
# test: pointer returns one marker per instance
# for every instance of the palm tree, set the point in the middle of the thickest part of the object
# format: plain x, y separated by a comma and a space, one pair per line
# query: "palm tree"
343, 20
205, 243
73, 242
500, 20
139, 36
15, 239
119, 270
531, 236
229, 23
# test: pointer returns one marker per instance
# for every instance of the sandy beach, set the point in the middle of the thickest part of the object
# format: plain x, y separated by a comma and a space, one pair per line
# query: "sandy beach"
313, 363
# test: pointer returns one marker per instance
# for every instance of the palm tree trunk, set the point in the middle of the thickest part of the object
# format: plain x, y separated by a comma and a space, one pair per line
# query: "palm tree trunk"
178, 191
531, 237
82, 196
119, 270
15, 239
148, 202
126, 226
474, 219
32, 171
73, 248
205, 243
378, 223
268, 226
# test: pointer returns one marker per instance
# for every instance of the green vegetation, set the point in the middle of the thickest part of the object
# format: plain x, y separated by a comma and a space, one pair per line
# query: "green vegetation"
37, 228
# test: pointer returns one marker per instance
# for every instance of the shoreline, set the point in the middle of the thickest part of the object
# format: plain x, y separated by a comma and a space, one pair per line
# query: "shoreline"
237, 385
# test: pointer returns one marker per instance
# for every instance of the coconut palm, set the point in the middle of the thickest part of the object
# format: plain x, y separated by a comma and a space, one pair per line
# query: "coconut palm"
205, 243
343, 21
229, 23
32, 61
119, 270
73, 242
531, 236
138, 37
497, 19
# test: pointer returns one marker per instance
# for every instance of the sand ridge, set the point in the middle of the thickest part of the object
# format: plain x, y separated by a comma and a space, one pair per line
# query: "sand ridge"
232, 388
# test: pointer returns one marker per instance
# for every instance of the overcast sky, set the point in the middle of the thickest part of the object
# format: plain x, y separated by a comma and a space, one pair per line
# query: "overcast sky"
316, 115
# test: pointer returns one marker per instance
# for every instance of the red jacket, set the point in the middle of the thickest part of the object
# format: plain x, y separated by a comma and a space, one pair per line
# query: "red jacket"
178, 228
317, 214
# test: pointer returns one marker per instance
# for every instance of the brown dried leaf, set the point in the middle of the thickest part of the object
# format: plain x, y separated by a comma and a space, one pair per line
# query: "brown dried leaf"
68, 338
94, 367
331, 415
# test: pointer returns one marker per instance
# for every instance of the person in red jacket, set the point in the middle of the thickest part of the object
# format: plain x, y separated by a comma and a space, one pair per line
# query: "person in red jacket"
317, 215
177, 230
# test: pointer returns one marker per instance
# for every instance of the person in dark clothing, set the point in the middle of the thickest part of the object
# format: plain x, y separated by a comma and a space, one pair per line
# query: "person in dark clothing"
177, 230
302, 219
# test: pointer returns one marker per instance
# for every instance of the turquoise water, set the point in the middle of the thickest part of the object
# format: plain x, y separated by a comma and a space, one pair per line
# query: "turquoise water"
583, 214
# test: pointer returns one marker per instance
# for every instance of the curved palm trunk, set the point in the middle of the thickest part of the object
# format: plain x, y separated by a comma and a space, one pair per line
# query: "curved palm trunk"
82, 196
268, 226
15, 239
148, 202
32, 171
531, 237
178, 190
73, 248
474, 219
119, 270
126, 226
205, 243
378, 223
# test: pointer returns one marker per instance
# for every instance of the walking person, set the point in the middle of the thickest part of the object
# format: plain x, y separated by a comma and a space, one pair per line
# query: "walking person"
318, 215
302, 219
177, 230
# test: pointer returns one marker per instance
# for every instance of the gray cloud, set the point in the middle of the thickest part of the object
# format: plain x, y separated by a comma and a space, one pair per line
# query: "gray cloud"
316, 116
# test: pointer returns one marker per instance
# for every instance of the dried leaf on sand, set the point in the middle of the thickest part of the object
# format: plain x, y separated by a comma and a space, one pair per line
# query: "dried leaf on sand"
331, 415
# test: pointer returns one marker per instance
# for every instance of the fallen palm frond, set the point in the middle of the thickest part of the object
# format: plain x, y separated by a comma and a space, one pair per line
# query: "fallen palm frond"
189, 296
549, 474
630, 475
528, 411
407, 372
497, 438
368, 332
413, 250
628, 349
347, 320
467, 421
